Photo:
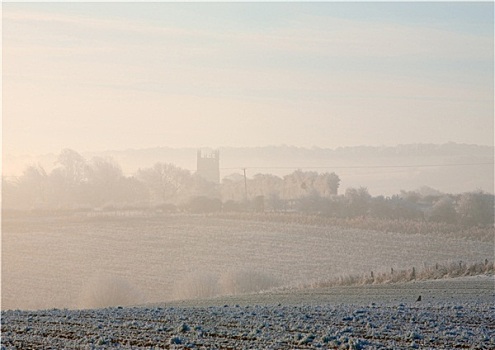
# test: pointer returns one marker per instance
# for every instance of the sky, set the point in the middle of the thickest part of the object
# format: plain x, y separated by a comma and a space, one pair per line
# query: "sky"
114, 76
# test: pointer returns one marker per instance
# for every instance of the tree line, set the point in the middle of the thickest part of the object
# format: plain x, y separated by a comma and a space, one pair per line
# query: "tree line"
99, 184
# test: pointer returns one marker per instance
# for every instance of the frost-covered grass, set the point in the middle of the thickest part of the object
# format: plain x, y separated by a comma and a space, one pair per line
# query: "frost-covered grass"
88, 262
435, 271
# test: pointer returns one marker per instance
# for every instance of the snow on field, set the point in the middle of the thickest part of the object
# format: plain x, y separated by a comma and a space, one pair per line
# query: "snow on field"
79, 262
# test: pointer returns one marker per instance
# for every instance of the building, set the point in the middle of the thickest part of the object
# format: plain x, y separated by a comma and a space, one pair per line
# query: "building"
208, 165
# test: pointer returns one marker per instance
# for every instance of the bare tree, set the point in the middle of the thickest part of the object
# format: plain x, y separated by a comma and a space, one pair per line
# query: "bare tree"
165, 182
73, 167
104, 181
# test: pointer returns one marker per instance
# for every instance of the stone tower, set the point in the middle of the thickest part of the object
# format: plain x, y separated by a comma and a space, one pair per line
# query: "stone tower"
208, 166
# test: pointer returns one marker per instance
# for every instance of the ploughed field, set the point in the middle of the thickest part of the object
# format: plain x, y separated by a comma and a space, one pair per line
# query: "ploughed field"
93, 262
453, 314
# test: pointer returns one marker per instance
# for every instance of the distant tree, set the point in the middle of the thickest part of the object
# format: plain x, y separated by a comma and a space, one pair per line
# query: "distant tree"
232, 188
274, 202
265, 185
276, 191
406, 207
357, 201
68, 181
327, 184
165, 182
311, 203
476, 208
105, 182
198, 186
73, 184
335, 206
73, 167
133, 192
297, 184
61, 192
302, 183
33, 187
426, 191
411, 196
381, 207
28, 191
443, 210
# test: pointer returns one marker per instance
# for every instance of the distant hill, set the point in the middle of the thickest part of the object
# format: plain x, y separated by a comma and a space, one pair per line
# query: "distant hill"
450, 167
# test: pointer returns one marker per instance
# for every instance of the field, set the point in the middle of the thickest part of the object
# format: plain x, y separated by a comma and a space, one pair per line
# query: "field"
308, 325
453, 313
91, 262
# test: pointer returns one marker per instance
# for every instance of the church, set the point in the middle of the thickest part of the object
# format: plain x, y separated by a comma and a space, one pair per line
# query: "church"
208, 165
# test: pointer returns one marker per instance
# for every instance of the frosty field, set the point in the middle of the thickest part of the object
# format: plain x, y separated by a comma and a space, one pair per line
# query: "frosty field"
401, 326
454, 313
90, 262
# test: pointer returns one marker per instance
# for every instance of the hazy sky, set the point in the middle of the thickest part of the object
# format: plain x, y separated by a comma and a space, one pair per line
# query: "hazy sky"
99, 76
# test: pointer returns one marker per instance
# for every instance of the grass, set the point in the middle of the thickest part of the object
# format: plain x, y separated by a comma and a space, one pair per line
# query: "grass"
437, 271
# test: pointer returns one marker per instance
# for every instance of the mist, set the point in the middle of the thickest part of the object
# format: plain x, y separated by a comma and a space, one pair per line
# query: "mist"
111, 260
86, 235
448, 168
168, 151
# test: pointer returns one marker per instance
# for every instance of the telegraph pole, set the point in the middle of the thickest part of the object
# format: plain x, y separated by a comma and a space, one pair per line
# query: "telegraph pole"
245, 184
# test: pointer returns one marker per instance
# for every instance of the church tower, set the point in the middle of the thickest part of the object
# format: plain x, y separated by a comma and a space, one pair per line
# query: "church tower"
208, 165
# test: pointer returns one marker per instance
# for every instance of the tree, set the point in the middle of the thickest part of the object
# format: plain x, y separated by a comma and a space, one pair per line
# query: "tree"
294, 185
104, 181
74, 168
381, 207
303, 183
299, 184
357, 201
443, 210
68, 182
273, 202
232, 188
327, 184
406, 207
312, 203
28, 191
410, 196
265, 185
32, 187
476, 208
165, 182
198, 186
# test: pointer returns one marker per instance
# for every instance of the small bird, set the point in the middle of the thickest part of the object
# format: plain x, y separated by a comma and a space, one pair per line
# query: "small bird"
419, 298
